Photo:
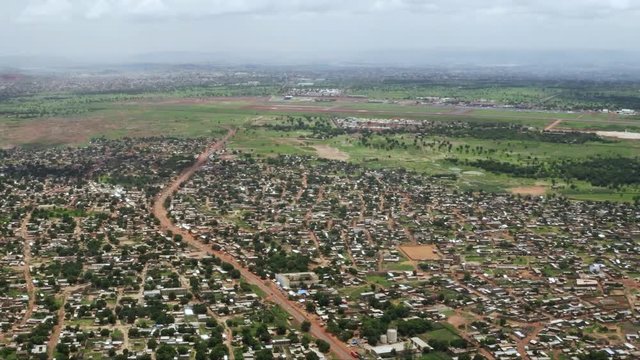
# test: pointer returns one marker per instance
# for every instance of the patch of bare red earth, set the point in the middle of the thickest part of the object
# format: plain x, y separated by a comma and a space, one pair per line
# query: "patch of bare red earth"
339, 348
553, 124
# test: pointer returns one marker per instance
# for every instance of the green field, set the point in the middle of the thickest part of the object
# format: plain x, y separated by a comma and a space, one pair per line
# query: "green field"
76, 119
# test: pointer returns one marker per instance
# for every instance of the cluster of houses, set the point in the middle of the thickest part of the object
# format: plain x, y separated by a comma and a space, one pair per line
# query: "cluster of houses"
306, 89
106, 281
513, 276
520, 262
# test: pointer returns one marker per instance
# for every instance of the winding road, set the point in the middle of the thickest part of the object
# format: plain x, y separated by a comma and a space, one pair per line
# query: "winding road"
339, 349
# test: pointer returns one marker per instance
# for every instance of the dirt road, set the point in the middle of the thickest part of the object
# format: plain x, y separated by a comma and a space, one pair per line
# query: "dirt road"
57, 329
552, 125
340, 349
27, 269
522, 343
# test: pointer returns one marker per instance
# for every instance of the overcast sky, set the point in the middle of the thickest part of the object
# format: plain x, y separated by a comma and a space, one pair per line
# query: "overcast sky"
121, 28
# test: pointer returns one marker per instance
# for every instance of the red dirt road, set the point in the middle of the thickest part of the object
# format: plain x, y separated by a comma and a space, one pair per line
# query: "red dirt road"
57, 329
552, 125
340, 349
522, 343
27, 270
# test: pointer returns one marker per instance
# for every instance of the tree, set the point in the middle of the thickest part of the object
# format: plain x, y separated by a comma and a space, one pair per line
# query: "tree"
305, 326
459, 343
311, 355
165, 352
264, 354
152, 343
323, 346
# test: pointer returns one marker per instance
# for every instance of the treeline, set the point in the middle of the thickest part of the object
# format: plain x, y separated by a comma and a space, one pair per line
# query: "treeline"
501, 131
320, 127
57, 105
39, 170
598, 171
323, 128
280, 262
521, 93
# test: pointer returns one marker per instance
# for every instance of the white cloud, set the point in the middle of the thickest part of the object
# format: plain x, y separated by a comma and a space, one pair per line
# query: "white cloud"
125, 8
46, 11
146, 7
99, 9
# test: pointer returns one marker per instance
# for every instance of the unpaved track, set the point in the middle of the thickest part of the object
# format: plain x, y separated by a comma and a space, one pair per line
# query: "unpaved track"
57, 329
27, 269
552, 125
340, 349
522, 343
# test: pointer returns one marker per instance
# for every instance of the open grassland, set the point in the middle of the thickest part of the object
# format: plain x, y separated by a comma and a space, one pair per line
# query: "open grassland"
52, 120
172, 115
115, 121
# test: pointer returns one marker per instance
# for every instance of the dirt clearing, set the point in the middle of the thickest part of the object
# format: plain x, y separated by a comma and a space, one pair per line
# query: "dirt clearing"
420, 252
331, 153
457, 321
552, 125
536, 190
53, 131
620, 135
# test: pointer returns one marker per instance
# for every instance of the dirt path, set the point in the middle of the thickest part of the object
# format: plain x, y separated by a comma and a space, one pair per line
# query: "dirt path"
57, 329
345, 238
535, 190
552, 125
482, 351
197, 299
143, 276
337, 347
303, 188
26, 270
31, 290
229, 341
522, 343
314, 238
331, 153
458, 319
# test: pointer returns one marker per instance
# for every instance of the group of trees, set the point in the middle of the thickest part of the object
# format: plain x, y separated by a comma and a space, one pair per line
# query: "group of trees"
155, 309
70, 270
508, 131
598, 171
280, 262
320, 127
371, 328
521, 93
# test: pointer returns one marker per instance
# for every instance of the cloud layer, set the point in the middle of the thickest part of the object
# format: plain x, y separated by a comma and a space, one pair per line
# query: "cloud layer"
329, 28
65, 10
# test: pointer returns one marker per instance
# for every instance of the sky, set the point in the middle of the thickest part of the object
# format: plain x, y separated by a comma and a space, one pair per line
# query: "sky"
123, 29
